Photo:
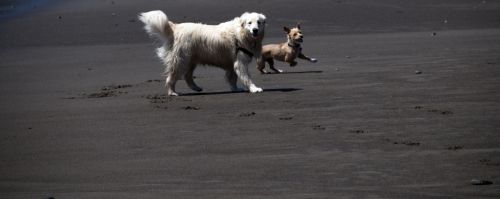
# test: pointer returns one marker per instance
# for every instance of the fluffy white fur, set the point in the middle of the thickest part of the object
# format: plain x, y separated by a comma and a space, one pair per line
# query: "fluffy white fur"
187, 45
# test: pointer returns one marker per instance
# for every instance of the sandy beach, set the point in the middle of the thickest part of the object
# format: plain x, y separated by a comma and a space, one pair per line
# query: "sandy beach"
403, 103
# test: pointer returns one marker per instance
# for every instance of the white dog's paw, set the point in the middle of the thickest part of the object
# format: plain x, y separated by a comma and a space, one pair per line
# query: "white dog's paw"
173, 94
255, 89
196, 88
314, 60
279, 71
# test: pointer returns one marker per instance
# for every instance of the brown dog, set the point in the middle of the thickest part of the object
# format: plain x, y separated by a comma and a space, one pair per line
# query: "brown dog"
285, 52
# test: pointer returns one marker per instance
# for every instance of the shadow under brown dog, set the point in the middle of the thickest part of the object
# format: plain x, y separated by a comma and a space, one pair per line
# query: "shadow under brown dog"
285, 52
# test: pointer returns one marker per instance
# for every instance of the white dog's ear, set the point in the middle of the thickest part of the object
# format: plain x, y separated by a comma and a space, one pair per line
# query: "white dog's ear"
298, 25
243, 19
242, 22
286, 29
262, 17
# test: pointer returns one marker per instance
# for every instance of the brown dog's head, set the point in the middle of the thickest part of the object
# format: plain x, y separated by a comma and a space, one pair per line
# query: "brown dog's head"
295, 36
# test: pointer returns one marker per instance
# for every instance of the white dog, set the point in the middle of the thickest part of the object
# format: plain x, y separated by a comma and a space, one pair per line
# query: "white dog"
230, 45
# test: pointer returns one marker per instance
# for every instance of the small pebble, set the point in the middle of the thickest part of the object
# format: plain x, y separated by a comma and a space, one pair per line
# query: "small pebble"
59, 17
418, 72
358, 131
318, 127
434, 34
286, 118
247, 114
454, 148
480, 182
191, 108
446, 112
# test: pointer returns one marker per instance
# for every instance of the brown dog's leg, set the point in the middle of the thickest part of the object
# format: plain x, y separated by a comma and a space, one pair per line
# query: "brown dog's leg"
270, 61
261, 65
302, 56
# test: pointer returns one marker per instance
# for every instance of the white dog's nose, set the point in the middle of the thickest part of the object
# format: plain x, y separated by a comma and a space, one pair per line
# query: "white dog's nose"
255, 31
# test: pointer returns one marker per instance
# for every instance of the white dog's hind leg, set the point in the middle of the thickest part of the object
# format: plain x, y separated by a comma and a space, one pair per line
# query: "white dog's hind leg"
189, 78
241, 69
176, 68
170, 84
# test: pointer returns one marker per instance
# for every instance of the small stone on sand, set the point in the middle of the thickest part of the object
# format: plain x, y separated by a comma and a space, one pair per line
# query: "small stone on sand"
192, 108
247, 114
480, 182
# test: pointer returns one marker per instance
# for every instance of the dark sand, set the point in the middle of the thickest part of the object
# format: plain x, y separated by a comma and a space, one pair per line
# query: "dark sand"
391, 110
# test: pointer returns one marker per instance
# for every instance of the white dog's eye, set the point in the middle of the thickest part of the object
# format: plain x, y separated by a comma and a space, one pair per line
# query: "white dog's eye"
258, 22
249, 23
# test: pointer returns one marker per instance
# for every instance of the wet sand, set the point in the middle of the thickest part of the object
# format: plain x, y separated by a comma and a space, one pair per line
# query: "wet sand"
403, 103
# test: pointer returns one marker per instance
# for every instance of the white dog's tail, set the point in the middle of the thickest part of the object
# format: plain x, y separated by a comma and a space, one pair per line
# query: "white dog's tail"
156, 24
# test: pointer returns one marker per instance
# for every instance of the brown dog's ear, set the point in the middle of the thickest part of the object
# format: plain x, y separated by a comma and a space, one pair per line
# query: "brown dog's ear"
298, 25
286, 29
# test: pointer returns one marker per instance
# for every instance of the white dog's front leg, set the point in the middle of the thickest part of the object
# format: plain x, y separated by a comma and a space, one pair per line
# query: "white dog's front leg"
241, 69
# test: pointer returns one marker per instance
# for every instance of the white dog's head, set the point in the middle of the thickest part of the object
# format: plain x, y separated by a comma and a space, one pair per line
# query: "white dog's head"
254, 23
